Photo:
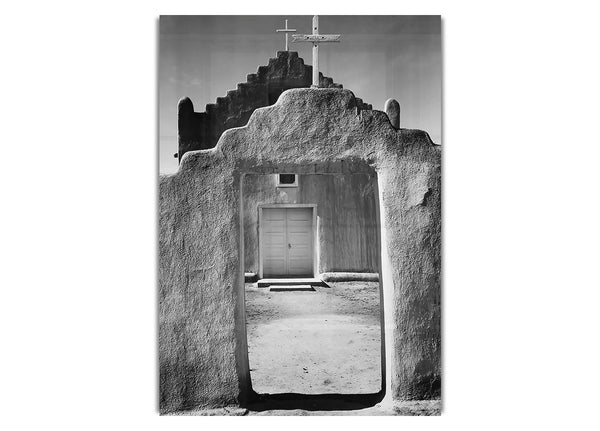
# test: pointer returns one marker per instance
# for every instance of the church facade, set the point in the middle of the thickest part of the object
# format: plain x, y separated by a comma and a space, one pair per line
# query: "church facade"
313, 225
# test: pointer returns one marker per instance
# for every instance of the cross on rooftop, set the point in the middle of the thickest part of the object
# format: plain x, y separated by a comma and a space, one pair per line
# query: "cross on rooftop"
286, 30
315, 38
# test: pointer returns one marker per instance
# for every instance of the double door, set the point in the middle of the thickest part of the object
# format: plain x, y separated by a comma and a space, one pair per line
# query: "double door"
287, 242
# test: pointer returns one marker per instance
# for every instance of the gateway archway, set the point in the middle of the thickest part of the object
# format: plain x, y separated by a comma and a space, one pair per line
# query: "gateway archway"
203, 345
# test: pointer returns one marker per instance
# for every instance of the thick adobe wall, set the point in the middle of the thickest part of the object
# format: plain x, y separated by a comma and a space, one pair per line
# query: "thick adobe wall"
202, 339
202, 130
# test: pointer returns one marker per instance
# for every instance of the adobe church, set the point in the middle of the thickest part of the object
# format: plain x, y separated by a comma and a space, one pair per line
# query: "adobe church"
309, 224
292, 176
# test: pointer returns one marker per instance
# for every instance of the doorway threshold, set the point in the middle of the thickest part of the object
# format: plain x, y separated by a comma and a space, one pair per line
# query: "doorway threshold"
291, 288
266, 282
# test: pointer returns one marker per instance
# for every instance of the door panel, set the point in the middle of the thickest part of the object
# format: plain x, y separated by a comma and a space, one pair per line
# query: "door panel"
275, 241
299, 238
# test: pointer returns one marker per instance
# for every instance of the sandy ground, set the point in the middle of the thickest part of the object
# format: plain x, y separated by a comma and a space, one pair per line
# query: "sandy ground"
321, 342
405, 408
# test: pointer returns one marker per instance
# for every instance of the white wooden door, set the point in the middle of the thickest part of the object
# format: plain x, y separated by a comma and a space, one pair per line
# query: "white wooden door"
287, 242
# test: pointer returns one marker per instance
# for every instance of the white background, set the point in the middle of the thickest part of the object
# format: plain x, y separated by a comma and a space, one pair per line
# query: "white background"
521, 213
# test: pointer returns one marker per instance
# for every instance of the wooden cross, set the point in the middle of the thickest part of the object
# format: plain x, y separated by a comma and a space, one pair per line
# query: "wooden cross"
286, 30
315, 38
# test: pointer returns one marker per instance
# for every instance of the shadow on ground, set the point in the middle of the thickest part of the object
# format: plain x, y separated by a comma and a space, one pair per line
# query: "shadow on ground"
312, 402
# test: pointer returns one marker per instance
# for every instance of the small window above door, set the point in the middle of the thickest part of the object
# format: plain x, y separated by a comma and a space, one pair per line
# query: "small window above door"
287, 180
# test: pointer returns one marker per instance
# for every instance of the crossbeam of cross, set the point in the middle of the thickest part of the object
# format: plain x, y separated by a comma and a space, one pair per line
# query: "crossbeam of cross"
315, 38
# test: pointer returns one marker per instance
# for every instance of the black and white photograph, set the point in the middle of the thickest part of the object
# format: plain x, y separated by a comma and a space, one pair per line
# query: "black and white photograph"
292, 216
300, 235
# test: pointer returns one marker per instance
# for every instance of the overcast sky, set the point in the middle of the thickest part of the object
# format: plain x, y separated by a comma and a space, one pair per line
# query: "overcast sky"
379, 57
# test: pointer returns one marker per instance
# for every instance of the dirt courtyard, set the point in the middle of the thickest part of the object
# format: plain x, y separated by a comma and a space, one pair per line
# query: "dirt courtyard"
326, 341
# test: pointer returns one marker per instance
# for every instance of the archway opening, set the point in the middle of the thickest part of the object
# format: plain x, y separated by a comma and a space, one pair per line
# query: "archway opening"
315, 338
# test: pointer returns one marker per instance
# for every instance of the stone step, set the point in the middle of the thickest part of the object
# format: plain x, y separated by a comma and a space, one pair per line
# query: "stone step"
291, 288
266, 282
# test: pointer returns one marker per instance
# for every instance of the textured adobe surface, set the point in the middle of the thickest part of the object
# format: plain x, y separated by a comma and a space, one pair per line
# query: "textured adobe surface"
392, 109
201, 130
202, 340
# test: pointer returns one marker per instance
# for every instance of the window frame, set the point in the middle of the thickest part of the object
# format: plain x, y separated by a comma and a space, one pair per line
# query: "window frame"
294, 184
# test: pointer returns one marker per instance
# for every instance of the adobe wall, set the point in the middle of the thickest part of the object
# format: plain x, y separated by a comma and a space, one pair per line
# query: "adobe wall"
202, 130
202, 340
347, 221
